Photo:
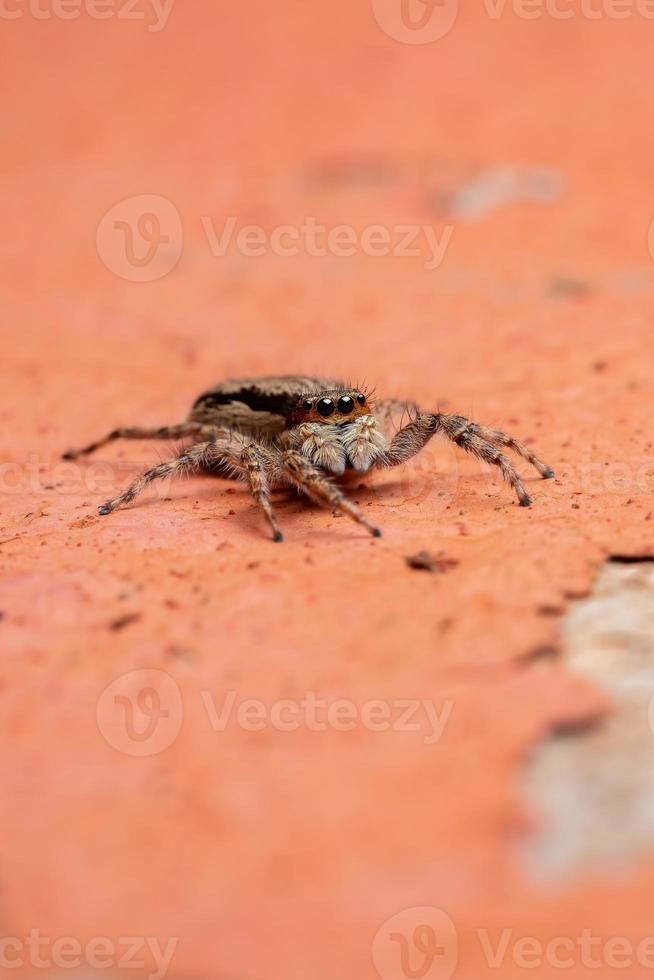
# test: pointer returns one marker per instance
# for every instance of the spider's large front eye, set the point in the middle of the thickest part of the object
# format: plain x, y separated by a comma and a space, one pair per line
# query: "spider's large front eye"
361, 399
345, 404
325, 406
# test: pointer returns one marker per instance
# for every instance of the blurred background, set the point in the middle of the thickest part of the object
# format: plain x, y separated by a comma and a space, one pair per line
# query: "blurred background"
453, 203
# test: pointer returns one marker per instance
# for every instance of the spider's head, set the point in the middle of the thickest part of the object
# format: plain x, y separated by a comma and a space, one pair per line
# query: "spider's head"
330, 407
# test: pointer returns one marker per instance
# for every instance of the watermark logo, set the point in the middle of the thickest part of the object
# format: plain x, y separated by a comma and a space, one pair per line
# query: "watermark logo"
416, 21
416, 944
422, 943
141, 713
426, 486
141, 238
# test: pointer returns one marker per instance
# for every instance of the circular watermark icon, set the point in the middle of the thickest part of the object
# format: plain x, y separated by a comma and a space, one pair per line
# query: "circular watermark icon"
417, 942
141, 238
426, 485
141, 712
416, 21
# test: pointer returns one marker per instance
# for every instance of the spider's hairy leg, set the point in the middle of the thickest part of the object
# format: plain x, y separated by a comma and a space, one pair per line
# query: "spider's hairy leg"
296, 469
500, 438
195, 456
184, 430
240, 460
489, 453
253, 467
468, 435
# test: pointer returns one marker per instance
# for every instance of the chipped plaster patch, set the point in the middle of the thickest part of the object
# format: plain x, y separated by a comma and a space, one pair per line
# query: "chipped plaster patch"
499, 186
593, 791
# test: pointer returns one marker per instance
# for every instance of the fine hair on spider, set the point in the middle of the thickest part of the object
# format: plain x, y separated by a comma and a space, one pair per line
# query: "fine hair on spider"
305, 432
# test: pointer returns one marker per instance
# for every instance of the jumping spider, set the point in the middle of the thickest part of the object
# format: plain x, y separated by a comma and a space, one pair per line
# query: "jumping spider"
296, 431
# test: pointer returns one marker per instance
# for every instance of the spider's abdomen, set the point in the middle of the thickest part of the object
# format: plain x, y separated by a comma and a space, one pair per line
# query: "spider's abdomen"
255, 406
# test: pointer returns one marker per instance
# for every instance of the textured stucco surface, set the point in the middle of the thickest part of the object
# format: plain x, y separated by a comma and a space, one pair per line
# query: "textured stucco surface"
278, 855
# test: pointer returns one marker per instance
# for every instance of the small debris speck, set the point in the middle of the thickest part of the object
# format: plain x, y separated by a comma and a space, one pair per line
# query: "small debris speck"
123, 621
424, 561
568, 288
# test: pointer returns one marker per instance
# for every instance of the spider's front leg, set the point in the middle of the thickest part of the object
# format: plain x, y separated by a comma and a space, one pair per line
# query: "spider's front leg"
254, 463
473, 438
238, 457
295, 469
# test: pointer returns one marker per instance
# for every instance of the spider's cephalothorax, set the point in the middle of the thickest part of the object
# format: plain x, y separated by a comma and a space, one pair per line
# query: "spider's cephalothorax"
297, 431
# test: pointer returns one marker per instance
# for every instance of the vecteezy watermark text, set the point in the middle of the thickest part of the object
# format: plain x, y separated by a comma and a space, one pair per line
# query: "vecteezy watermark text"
141, 239
408, 715
589, 474
566, 9
318, 240
100, 953
426, 21
155, 13
424, 942
141, 713
565, 952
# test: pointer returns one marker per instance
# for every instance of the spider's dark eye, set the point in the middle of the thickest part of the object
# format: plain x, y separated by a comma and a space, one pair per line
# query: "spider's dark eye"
306, 405
361, 399
325, 406
345, 404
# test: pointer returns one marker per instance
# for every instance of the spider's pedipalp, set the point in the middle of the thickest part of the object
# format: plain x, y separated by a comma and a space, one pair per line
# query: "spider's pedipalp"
322, 444
364, 443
